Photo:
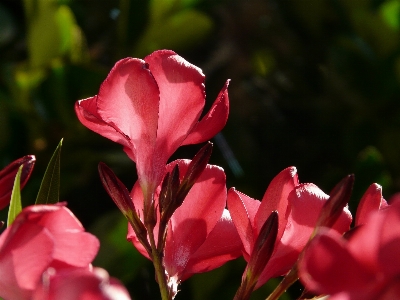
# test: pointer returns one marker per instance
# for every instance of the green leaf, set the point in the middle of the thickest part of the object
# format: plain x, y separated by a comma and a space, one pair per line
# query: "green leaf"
50, 186
178, 32
390, 11
43, 35
15, 203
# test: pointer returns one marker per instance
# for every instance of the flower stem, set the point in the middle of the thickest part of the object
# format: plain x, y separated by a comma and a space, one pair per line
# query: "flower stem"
286, 282
159, 268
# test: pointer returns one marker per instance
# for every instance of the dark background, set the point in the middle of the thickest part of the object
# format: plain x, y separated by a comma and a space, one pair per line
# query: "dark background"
315, 84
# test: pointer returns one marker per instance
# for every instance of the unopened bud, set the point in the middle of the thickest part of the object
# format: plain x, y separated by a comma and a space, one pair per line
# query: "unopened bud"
195, 168
121, 197
338, 199
7, 176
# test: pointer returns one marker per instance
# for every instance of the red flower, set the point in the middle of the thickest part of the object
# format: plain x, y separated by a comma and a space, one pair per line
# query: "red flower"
298, 207
41, 237
152, 107
7, 177
367, 265
200, 235
80, 284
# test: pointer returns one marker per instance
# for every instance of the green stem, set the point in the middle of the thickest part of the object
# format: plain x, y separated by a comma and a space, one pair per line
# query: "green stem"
159, 268
286, 282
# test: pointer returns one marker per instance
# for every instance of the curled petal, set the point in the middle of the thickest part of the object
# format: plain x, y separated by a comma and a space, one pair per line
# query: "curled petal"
86, 110
213, 121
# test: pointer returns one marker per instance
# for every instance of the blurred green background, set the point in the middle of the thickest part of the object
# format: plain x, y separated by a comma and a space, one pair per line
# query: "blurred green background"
315, 84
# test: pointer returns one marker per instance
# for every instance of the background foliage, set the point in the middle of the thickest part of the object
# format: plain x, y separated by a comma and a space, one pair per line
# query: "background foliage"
315, 84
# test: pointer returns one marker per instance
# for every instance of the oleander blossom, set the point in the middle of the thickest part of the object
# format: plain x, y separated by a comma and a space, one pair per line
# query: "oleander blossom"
42, 237
200, 234
298, 207
366, 264
151, 107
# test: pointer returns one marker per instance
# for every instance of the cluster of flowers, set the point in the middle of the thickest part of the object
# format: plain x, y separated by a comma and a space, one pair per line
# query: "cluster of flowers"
182, 216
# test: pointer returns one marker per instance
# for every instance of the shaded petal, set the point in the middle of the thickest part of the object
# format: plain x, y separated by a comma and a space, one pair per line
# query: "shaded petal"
243, 210
222, 244
213, 121
182, 98
389, 254
391, 291
195, 218
328, 267
371, 201
276, 198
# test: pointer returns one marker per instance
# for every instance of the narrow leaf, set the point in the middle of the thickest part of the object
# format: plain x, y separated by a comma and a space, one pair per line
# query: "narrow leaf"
15, 203
50, 187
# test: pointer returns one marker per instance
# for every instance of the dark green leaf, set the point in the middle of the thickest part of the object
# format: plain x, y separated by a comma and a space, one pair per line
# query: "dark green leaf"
50, 186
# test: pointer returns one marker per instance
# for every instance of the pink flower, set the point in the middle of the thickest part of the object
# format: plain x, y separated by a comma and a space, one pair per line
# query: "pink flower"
80, 284
152, 107
298, 207
367, 265
41, 237
7, 177
201, 235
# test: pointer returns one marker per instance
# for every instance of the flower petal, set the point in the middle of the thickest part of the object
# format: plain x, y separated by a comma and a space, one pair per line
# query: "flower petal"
306, 202
193, 221
276, 198
243, 210
182, 99
328, 267
371, 201
389, 255
213, 121
222, 244
24, 256
73, 246
129, 100
83, 285
86, 111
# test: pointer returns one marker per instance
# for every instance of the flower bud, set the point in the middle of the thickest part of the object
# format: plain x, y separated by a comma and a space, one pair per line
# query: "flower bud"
338, 199
7, 176
120, 195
